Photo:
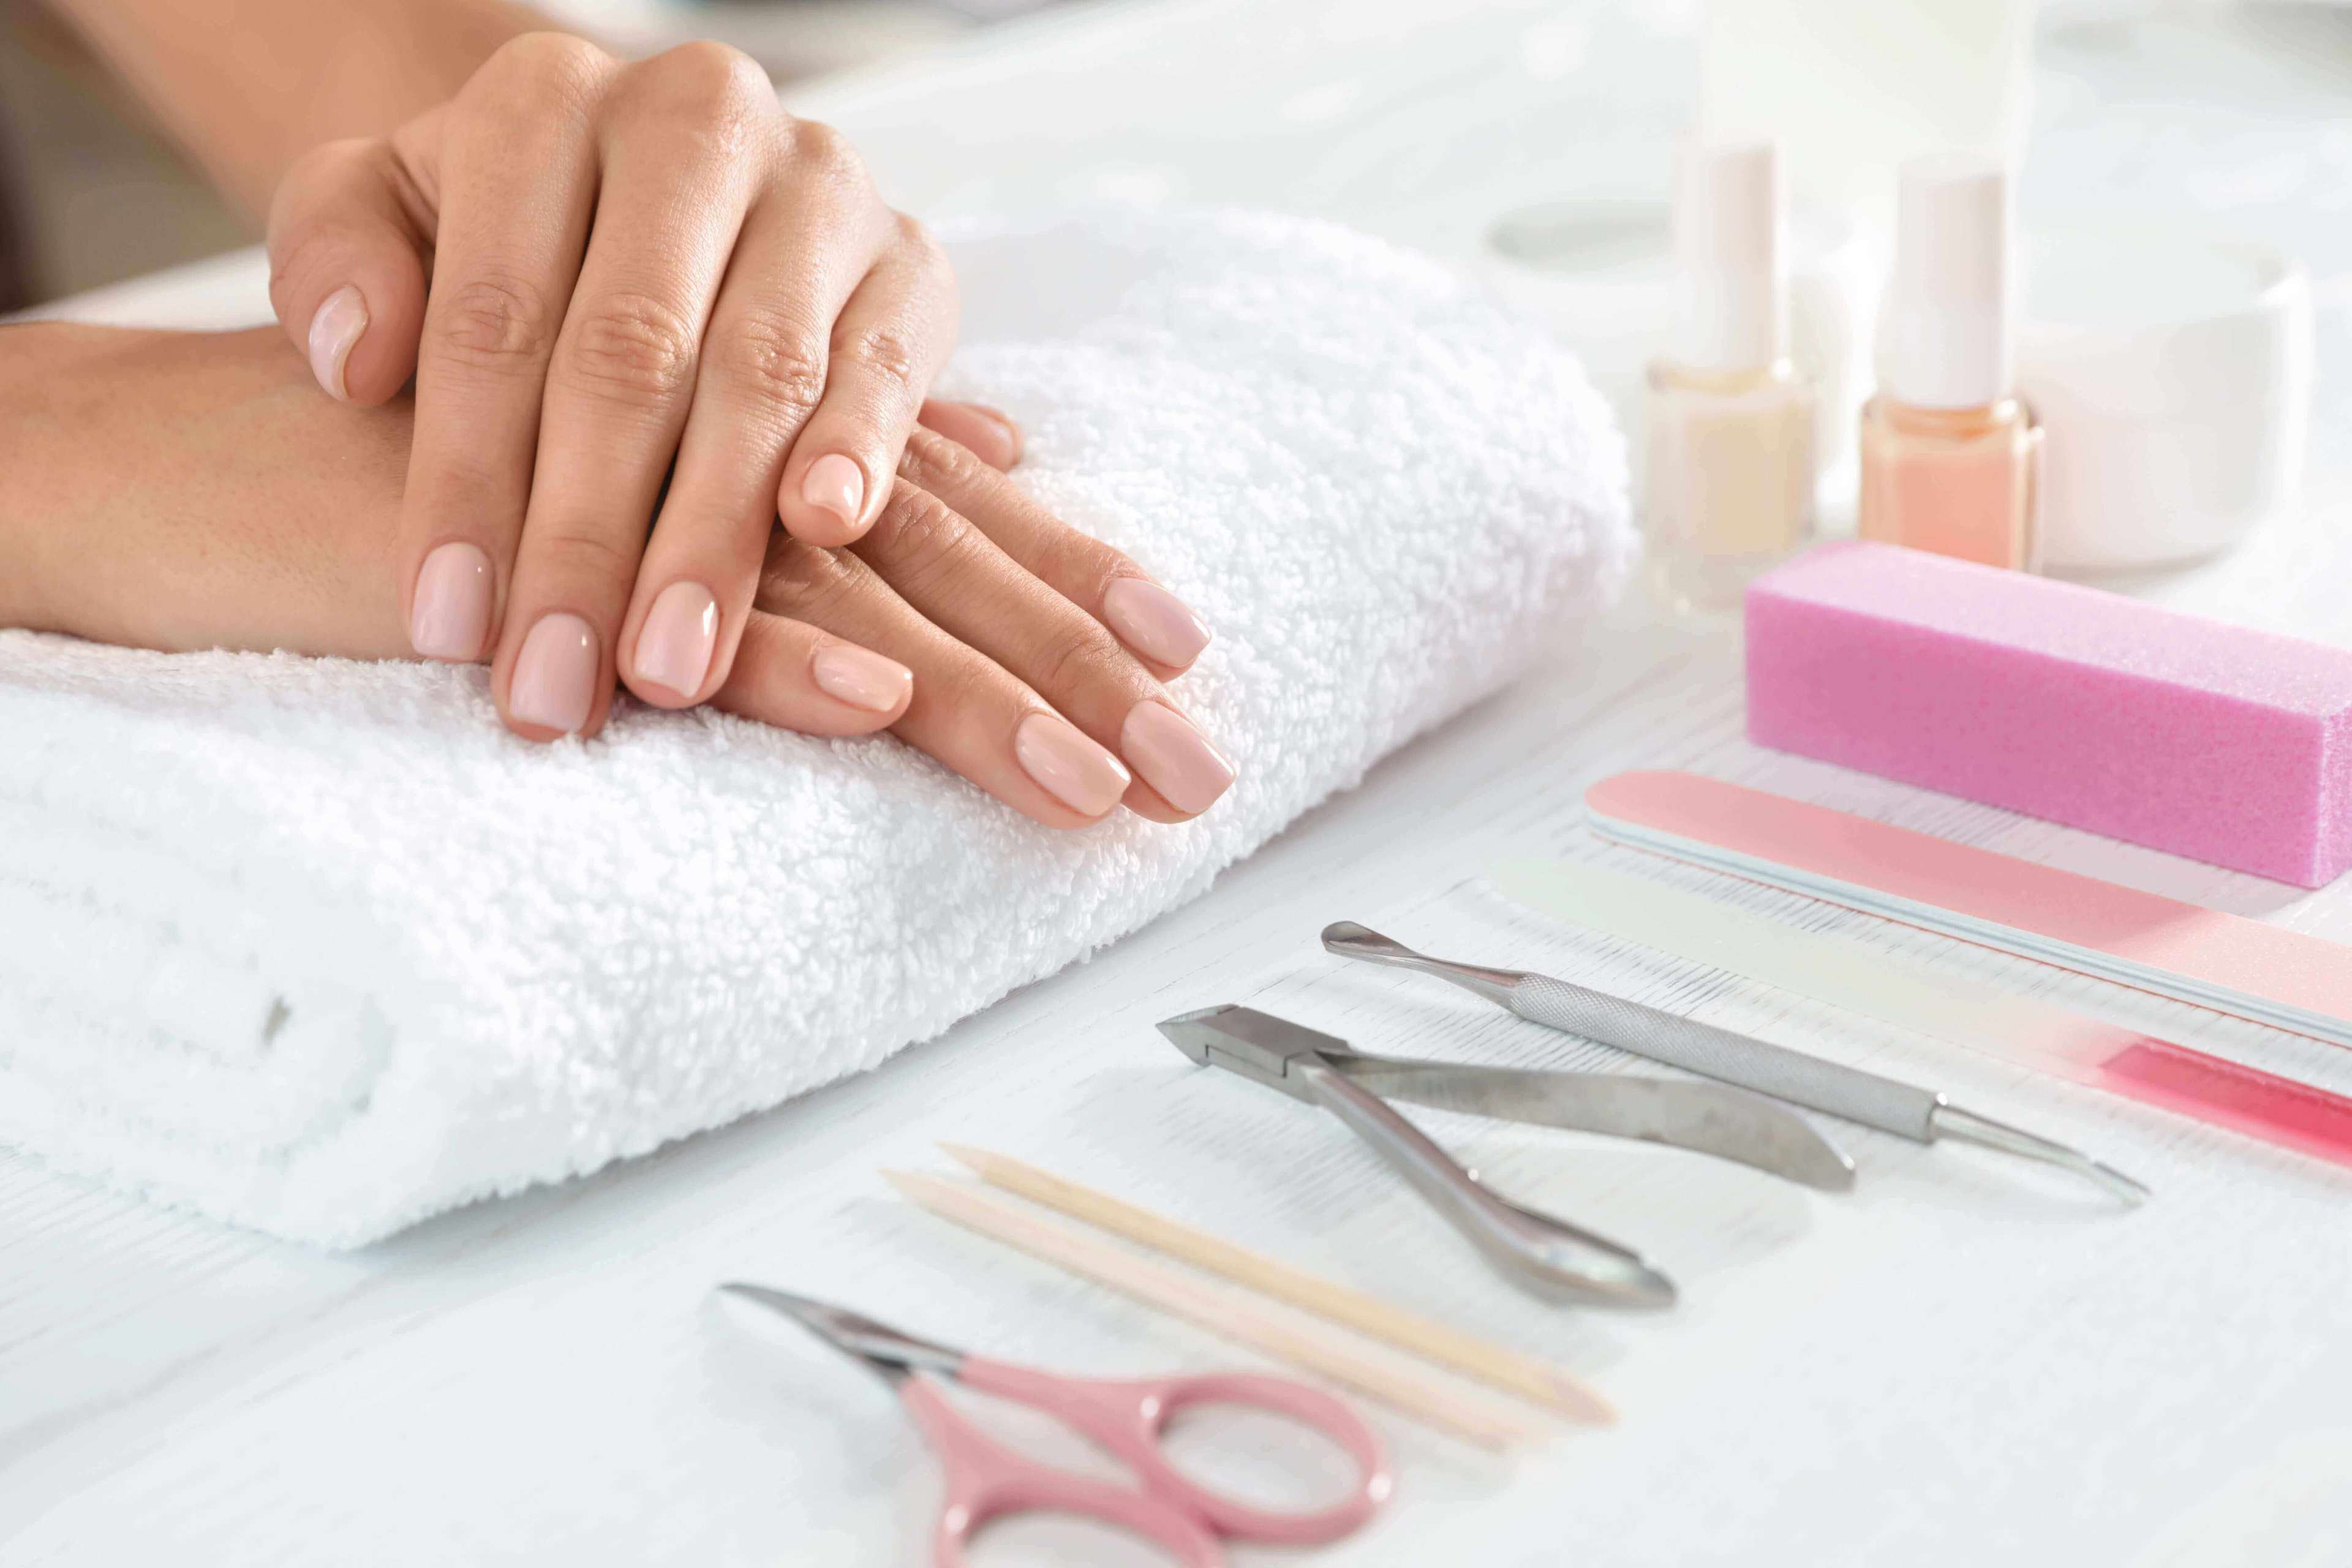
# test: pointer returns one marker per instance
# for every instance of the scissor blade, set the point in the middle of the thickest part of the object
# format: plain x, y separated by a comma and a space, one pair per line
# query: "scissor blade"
1709, 1119
879, 1345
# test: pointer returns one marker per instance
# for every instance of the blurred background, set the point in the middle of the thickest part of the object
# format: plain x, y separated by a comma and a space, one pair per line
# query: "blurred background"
2176, 162
91, 193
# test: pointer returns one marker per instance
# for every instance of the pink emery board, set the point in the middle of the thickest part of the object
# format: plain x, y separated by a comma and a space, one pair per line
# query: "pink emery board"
2223, 962
2221, 742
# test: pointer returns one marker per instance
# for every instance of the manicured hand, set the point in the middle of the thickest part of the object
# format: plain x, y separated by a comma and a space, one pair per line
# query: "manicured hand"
641, 275
237, 509
1037, 653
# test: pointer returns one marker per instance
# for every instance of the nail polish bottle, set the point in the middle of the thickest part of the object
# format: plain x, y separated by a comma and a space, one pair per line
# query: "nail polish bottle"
1950, 457
1729, 474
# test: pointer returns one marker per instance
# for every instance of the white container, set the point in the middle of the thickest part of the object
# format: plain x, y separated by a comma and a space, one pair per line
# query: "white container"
2171, 374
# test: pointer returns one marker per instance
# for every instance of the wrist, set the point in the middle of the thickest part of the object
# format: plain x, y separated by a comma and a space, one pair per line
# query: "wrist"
34, 355
195, 490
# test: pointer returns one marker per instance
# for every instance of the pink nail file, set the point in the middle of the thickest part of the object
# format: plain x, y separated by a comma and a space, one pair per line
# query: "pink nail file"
2227, 962
2220, 743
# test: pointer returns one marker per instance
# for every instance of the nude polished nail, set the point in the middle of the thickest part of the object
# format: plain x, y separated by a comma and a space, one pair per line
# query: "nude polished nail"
1068, 766
449, 615
335, 331
1007, 431
836, 484
554, 683
1173, 757
675, 645
1154, 622
860, 678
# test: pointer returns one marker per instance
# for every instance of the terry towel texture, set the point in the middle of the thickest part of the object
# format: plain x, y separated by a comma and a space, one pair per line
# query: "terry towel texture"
316, 947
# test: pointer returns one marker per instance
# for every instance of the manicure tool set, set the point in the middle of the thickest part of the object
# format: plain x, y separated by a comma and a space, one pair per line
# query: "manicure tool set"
1740, 1104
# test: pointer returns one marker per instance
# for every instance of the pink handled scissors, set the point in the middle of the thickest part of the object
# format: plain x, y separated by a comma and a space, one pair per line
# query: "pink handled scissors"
986, 1480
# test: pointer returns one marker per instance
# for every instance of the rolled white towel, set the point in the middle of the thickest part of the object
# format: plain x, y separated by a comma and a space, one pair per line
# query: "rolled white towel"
317, 947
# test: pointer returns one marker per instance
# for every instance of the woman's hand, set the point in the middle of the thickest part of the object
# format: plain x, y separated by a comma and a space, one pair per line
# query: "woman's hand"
631, 267
178, 491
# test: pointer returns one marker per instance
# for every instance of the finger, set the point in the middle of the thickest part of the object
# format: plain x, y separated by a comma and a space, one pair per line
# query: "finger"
805, 242
1157, 627
988, 434
789, 674
682, 142
956, 577
964, 709
516, 181
347, 249
892, 336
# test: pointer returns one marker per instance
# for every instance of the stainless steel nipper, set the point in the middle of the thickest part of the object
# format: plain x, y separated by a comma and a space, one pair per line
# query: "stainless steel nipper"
1536, 1251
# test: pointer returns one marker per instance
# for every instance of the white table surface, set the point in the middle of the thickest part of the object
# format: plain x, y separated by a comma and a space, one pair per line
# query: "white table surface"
1955, 1363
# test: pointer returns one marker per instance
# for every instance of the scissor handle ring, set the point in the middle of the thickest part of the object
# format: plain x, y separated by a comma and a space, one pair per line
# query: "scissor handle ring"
986, 1481
1158, 1402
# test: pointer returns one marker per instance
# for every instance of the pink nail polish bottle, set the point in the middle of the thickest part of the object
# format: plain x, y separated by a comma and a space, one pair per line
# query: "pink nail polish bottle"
1950, 457
1728, 478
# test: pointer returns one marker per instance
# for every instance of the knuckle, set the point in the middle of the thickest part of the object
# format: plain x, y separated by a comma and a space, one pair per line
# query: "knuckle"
631, 346
331, 165
815, 142
493, 322
920, 536
716, 93
543, 69
886, 350
1080, 658
931, 460
968, 682
772, 359
915, 238
581, 554
801, 581
711, 72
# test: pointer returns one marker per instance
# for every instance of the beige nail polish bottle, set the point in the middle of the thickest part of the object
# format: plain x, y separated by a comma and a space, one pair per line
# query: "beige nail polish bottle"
1950, 457
1728, 480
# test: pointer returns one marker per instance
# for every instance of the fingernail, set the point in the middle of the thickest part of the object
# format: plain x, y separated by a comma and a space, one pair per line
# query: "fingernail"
861, 679
1173, 757
1154, 622
673, 645
449, 615
1003, 421
1068, 766
836, 484
554, 681
334, 332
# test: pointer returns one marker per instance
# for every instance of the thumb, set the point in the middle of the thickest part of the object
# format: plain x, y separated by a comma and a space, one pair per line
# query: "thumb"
347, 268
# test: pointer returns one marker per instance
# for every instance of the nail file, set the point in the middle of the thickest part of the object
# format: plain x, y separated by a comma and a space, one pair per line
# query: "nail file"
1846, 974
2225, 743
2244, 967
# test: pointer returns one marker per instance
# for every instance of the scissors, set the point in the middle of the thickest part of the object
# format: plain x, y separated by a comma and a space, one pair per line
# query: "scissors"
986, 1480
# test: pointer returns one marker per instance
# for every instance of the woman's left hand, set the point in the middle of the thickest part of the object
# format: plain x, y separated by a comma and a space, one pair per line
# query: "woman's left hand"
640, 274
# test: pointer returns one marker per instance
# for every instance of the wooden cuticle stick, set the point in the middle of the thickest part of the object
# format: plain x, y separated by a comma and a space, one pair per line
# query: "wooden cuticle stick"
1427, 1395
1496, 1366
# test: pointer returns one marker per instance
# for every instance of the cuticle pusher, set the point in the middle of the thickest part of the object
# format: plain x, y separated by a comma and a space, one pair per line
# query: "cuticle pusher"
1921, 1115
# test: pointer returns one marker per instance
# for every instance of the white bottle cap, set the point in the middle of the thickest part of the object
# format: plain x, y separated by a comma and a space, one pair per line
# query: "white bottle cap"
1944, 331
1731, 269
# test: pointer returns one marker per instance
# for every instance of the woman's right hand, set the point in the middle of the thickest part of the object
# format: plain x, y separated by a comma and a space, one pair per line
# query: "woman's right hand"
241, 510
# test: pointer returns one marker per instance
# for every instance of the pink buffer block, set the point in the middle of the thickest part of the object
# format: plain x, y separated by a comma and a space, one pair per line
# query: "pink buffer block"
2220, 743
